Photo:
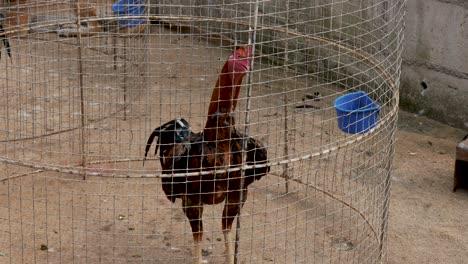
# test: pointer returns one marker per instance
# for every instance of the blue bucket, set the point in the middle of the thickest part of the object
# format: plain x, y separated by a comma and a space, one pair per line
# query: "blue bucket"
129, 8
356, 112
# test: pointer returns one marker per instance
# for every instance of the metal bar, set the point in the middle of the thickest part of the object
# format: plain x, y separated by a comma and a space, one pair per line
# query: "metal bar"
252, 41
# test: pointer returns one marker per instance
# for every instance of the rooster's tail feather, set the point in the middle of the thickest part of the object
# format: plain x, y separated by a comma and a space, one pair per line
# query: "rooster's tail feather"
174, 131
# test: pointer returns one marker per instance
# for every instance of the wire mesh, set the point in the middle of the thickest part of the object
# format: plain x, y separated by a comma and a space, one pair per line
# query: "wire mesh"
86, 82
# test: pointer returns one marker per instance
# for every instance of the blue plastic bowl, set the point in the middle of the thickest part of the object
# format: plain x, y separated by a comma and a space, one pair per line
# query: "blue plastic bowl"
356, 112
129, 8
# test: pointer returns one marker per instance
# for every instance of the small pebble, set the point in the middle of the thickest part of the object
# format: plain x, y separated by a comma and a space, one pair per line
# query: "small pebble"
44, 247
175, 249
121, 217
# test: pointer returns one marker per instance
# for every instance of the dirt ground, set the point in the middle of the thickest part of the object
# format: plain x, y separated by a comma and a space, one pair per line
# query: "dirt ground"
428, 222
130, 221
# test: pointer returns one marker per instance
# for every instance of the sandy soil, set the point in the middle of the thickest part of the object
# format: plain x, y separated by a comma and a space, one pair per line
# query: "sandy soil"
428, 222
56, 218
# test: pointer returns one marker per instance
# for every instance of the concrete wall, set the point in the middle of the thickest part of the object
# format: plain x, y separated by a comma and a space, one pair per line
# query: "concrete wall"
435, 60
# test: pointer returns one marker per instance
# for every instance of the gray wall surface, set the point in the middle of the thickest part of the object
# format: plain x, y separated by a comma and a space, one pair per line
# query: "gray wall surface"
435, 60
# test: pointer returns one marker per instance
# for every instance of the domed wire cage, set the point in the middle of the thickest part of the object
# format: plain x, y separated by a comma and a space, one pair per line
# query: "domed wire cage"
83, 85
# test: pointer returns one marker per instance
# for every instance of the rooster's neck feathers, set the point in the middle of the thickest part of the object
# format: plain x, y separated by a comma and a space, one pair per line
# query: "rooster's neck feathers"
225, 93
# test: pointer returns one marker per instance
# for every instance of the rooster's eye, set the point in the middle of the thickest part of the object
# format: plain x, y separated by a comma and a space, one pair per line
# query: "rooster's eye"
238, 56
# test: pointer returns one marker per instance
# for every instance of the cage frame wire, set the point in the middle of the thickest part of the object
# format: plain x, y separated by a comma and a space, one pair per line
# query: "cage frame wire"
360, 55
354, 138
251, 42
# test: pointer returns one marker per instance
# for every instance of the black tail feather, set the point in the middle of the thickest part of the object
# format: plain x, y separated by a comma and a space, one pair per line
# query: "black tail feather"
5, 42
154, 134
174, 131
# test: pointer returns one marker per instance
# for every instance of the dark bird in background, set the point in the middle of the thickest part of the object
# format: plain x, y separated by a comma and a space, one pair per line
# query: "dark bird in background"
4, 38
217, 147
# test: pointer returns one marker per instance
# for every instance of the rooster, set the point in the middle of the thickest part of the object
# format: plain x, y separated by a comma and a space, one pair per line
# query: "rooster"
217, 147
223, 99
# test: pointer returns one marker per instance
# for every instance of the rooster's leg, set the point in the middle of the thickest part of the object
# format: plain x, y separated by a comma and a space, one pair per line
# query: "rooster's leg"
231, 209
229, 245
193, 209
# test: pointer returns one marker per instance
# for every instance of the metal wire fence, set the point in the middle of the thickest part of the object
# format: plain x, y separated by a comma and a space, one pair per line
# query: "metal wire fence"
85, 83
